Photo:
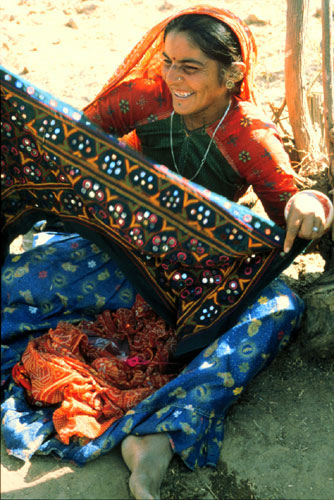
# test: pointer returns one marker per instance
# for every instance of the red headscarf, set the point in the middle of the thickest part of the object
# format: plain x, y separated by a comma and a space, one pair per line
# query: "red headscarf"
144, 61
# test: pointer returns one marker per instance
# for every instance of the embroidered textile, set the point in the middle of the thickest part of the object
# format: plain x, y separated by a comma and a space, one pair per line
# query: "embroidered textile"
196, 257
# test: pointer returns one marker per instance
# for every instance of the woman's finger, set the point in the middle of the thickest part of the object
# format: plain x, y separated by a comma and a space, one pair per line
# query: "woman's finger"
311, 228
292, 230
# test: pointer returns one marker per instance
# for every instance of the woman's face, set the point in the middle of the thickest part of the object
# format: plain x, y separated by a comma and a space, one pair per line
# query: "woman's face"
198, 91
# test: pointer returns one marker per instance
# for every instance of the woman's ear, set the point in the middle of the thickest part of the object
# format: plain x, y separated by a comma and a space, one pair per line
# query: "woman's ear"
237, 71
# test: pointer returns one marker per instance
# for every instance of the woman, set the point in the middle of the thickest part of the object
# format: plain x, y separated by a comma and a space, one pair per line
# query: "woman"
194, 111
204, 91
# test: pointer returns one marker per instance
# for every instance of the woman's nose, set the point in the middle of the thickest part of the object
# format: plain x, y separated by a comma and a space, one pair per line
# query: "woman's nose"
173, 74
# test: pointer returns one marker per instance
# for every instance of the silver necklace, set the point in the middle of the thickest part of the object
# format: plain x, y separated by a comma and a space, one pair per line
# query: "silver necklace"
208, 148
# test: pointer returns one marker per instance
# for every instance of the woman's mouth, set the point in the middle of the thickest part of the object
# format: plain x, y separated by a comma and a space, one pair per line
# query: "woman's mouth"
182, 94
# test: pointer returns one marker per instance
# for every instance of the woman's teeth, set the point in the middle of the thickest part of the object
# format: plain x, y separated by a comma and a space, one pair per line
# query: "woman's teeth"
182, 95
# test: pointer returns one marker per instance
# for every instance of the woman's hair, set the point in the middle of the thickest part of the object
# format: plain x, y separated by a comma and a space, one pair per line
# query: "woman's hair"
212, 36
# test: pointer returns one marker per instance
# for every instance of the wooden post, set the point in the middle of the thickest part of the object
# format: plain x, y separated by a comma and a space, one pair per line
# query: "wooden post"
296, 98
327, 81
328, 87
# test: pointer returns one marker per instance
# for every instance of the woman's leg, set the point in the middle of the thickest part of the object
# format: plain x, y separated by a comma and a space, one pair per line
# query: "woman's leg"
189, 411
209, 385
67, 278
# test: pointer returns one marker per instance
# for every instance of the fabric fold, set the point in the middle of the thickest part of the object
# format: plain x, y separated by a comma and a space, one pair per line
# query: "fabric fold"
96, 383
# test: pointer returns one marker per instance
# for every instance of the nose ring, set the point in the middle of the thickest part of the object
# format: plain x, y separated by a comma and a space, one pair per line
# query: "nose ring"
179, 78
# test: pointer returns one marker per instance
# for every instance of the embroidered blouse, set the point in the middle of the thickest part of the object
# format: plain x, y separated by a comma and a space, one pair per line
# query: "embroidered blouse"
246, 150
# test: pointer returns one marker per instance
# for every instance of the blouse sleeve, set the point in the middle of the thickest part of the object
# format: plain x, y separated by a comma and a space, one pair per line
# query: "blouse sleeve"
262, 162
124, 108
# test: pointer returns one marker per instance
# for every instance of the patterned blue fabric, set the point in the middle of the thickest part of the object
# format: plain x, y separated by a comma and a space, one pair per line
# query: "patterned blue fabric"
69, 278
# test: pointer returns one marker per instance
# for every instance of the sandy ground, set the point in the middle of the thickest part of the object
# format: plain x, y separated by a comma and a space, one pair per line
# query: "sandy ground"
279, 439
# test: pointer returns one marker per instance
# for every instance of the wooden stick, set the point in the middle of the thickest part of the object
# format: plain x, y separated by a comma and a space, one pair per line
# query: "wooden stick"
327, 81
296, 98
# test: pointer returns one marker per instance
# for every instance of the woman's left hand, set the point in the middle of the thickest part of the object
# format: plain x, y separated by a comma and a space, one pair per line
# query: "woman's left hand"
306, 218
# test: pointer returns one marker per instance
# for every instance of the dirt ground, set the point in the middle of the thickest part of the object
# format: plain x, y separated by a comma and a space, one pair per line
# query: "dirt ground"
279, 436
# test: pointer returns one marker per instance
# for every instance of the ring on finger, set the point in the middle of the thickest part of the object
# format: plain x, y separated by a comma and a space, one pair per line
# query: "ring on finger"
315, 229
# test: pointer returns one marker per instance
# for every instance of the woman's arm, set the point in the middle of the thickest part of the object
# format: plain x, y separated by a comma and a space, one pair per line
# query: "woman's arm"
266, 166
127, 106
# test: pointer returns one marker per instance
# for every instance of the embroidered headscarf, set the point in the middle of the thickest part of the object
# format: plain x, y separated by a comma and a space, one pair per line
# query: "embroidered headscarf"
144, 61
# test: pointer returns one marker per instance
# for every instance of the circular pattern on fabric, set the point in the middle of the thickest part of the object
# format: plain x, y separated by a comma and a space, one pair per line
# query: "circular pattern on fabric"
172, 198
230, 292
112, 165
28, 146
136, 236
23, 112
6, 180
82, 143
251, 265
247, 349
200, 213
211, 277
8, 275
72, 171
49, 199
47, 306
145, 180
148, 219
78, 254
208, 313
7, 130
91, 189
32, 172
59, 280
38, 256
50, 129
72, 202
88, 286
163, 242
98, 212
231, 234
194, 245
49, 162
119, 214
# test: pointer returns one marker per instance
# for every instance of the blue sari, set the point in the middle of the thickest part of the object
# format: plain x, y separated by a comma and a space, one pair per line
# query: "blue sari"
191, 408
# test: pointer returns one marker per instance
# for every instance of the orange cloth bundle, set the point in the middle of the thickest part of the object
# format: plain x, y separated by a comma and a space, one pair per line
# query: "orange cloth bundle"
97, 371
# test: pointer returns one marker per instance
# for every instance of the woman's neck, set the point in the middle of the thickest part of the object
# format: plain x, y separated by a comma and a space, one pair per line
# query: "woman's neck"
206, 117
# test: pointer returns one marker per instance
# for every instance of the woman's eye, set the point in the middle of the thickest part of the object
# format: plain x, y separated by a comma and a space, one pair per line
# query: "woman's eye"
190, 69
167, 62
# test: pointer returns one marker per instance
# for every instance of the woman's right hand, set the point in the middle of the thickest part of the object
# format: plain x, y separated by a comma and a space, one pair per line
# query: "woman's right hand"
306, 218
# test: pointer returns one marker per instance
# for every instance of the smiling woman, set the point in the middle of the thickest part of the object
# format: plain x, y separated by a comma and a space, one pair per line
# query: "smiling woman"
202, 64
198, 94
204, 263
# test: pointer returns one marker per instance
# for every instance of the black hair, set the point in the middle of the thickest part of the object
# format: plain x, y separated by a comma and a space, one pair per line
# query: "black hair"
213, 37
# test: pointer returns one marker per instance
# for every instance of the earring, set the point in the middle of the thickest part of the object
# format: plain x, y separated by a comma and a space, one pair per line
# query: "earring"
229, 84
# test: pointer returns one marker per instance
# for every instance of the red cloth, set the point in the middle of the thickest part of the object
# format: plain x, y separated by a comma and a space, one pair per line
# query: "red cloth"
97, 385
144, 61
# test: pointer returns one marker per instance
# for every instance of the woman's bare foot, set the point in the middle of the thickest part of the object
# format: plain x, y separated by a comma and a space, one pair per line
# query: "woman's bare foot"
148, 458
